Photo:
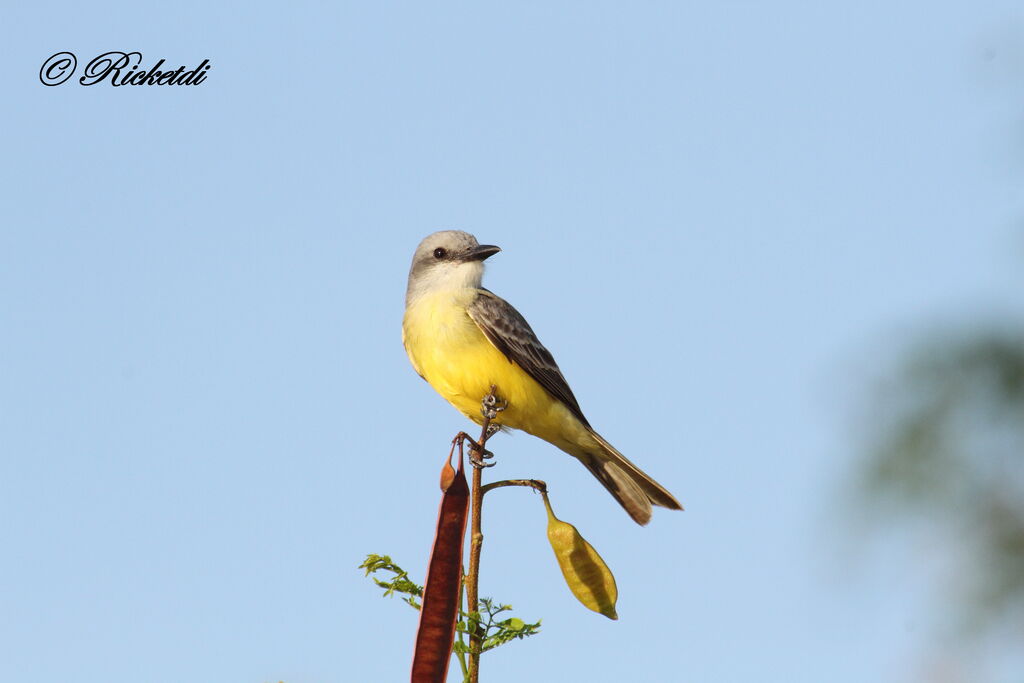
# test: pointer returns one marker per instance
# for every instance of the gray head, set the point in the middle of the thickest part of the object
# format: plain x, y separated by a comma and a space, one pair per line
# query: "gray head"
449, 259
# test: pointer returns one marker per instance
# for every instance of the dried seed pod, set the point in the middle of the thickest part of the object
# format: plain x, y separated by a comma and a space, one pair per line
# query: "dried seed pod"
586, 574
439, 612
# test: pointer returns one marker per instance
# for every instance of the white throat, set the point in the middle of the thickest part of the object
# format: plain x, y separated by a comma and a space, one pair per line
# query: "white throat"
440, 277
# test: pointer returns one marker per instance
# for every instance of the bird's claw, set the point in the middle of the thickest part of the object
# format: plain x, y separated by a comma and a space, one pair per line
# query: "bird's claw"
477, 457
477, 453
491, 405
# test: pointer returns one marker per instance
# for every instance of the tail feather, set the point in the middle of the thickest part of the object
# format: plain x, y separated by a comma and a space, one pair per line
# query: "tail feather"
627, 483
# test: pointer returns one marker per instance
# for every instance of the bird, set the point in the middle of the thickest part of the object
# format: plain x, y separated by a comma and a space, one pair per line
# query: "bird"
463, 340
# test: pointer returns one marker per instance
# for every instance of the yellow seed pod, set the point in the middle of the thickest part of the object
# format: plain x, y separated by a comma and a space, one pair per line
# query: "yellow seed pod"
586, 574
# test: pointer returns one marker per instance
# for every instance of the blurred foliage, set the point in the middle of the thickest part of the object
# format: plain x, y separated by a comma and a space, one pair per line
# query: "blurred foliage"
949, 447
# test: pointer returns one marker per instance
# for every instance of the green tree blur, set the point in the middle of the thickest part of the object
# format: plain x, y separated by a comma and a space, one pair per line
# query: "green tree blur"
949, 451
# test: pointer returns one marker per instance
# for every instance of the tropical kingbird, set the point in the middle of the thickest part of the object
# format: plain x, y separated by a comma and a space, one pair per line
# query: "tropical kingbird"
463, 339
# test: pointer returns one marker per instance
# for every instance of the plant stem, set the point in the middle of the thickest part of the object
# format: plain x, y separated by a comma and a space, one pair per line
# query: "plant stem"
535, 484
475, 546
473, 578
462, 655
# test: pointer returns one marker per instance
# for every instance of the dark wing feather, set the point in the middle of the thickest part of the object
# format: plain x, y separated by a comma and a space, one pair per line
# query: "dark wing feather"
512, 335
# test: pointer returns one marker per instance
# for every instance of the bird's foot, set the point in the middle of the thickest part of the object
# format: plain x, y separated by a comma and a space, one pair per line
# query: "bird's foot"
478, 457
492, 404
477, 453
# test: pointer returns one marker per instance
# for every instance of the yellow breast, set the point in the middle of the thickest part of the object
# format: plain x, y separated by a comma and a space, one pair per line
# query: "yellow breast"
448, 349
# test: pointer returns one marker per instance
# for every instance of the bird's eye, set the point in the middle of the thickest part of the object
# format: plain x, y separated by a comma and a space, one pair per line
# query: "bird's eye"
440, 253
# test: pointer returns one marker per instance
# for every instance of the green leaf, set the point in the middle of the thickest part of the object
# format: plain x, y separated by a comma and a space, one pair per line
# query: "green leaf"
399, 583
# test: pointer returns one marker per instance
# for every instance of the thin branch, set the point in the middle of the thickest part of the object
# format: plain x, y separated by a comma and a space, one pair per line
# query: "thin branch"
535, 484
476, 632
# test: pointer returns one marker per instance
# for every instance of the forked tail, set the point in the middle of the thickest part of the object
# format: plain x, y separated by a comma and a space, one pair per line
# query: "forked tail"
627, 483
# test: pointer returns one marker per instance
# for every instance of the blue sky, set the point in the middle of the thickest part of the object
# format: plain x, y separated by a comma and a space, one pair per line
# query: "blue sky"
723, 221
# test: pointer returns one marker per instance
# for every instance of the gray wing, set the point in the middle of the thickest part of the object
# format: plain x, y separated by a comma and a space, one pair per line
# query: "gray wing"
512, 335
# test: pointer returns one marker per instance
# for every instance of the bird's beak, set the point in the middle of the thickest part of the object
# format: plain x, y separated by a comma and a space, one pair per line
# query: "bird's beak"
482, 251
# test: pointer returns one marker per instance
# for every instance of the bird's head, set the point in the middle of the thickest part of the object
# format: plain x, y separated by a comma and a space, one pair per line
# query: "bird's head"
449, 259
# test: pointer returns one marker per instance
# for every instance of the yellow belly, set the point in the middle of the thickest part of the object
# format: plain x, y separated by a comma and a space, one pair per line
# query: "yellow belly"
448, 349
